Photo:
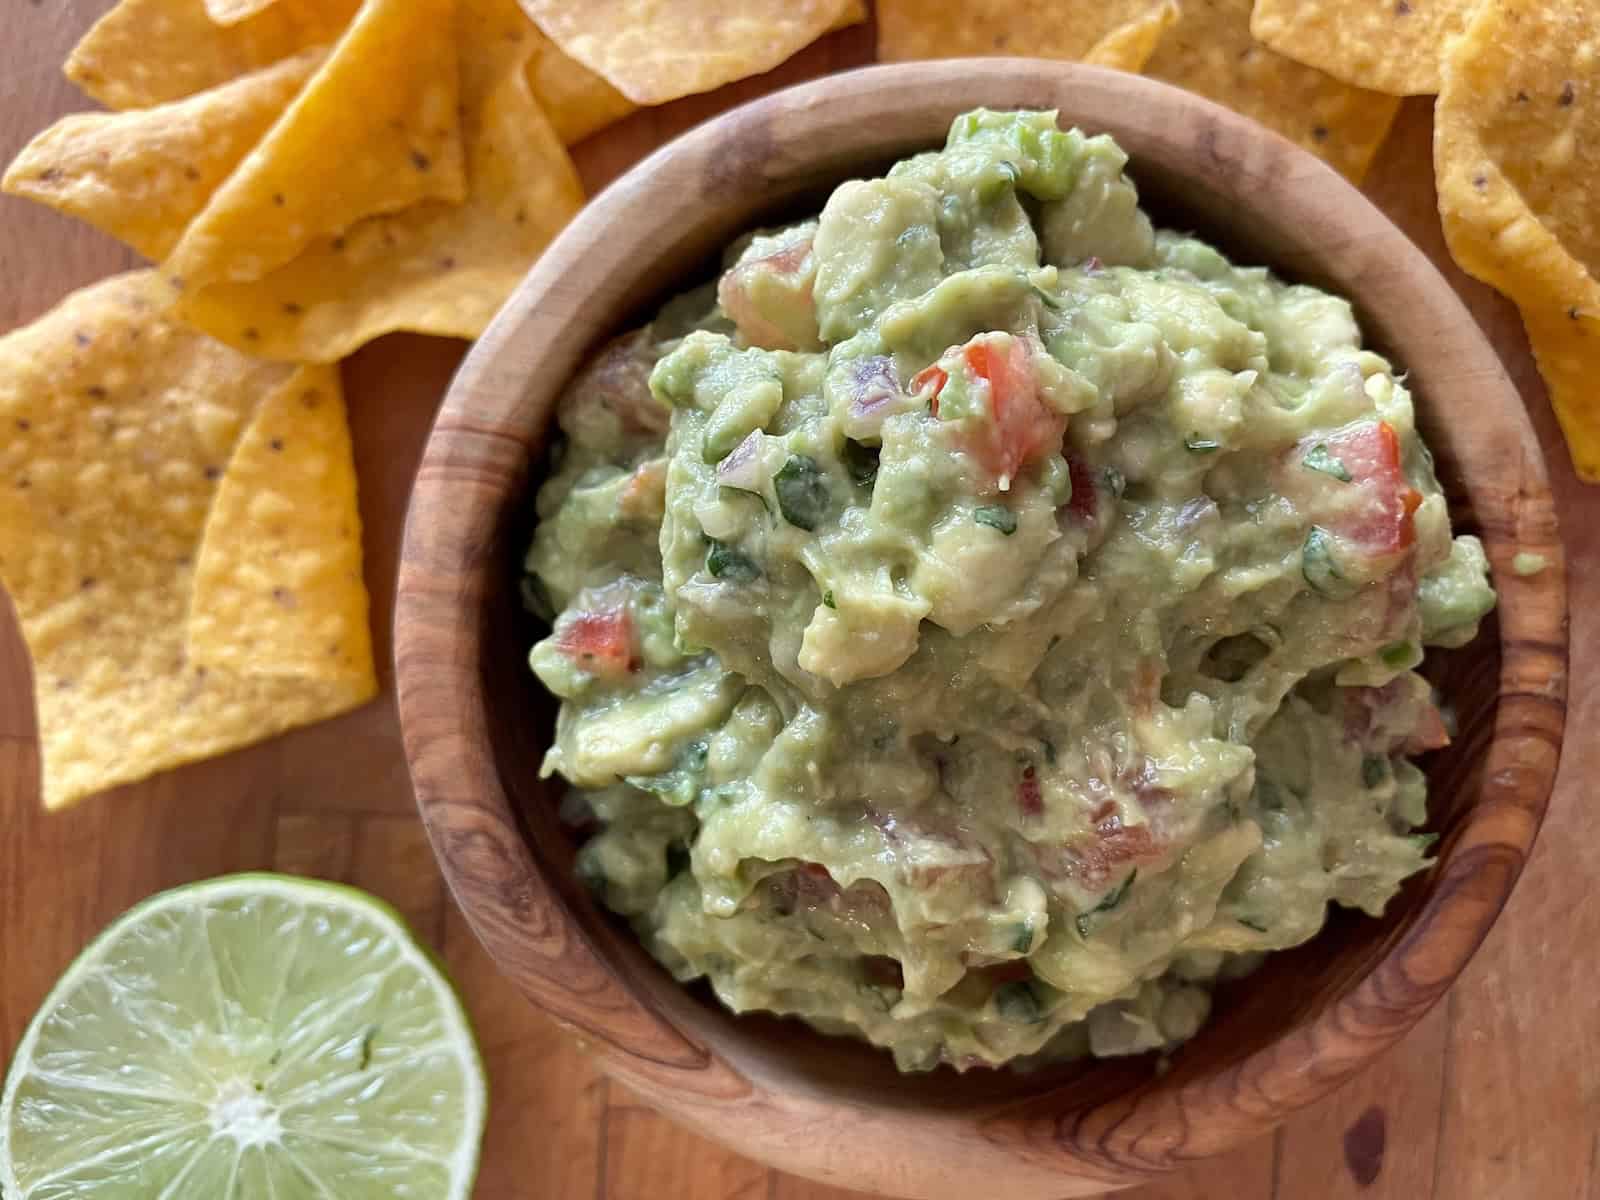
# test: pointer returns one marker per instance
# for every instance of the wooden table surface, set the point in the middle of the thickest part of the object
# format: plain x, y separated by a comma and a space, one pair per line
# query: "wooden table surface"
1495, 1096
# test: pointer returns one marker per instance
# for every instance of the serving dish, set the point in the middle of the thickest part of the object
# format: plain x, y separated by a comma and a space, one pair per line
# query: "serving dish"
474, 718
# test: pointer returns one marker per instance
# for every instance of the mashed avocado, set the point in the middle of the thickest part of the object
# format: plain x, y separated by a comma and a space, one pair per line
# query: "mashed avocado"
984, 620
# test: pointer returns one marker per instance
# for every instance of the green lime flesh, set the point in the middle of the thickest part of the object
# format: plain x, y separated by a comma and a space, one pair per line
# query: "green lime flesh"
251, 1036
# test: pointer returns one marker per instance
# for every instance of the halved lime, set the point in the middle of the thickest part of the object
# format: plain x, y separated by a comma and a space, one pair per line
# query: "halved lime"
252, 1036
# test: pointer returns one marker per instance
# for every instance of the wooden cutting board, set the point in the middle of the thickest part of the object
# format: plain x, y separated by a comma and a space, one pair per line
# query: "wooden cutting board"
1496, 1096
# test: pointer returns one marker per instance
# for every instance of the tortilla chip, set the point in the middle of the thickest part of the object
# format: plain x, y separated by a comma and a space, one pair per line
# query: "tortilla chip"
147, 52
1566, 345
231, 12
375, 131
577, 101
1128, 47
118, 423
435, 268
1210, 51
909, 29
653, 51
280, 558
1514, 134
142, 176
1392, 46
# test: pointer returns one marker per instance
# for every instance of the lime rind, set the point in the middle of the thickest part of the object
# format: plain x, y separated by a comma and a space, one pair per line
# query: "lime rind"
176, 1116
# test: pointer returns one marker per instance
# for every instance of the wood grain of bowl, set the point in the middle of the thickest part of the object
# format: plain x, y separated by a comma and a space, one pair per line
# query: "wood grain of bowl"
476, 722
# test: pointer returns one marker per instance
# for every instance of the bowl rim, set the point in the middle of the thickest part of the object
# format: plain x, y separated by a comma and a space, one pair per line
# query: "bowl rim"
477, 460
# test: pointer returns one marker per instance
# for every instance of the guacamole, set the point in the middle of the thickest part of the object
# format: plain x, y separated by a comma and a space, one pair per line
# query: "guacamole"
982, 620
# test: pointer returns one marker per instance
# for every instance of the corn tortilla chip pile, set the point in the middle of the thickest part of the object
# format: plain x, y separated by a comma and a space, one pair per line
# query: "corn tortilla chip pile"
1517, 153
435, 267
374, 130
122, 428
178, 520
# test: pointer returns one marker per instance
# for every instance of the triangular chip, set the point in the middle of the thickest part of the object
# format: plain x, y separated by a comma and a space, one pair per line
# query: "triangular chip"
1210, 51
653, 51
231, 12
142, 176
119, 423
435, 268
147, 52
577, 101
913, 29
1514, 150
1128, 47
277, 585
1392, 46
374, 131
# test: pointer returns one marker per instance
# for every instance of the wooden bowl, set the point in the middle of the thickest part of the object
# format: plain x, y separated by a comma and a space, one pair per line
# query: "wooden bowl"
476, 723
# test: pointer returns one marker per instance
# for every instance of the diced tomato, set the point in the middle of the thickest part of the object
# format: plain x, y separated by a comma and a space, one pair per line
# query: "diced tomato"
1096, 859
1378, 522
1396, 716
645, 493
1084, 496
932, 380
1021, 427
1030, 796
1429, 734
602, 643
1145, 687
1113, 845
735, 294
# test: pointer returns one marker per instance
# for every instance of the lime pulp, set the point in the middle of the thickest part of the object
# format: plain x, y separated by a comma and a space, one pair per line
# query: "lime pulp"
254, 1036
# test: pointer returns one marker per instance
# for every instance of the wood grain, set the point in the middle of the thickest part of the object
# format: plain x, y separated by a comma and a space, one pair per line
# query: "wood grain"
1518, 1039
1292, 1033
